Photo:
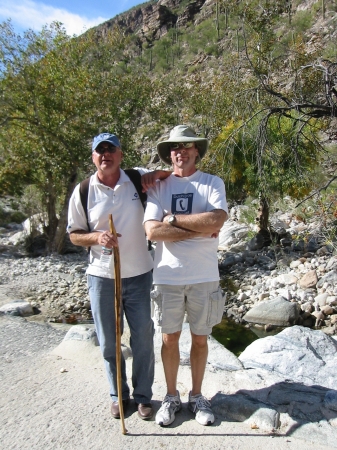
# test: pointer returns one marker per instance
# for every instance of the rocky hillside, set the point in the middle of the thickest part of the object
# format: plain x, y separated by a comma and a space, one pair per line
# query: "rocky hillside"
185, 38
152, 20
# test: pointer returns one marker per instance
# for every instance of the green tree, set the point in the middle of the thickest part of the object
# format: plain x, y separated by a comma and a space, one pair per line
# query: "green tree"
265, 113
255, 160
274, 145
57, 92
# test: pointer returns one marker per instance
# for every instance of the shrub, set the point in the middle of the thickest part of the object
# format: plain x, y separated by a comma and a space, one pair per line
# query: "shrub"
302, 21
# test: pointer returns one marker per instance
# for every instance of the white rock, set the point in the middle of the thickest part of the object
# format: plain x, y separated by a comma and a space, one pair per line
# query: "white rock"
289, 278
295, 264
298, 353
331, 300
321, 299
285, 293
17, 308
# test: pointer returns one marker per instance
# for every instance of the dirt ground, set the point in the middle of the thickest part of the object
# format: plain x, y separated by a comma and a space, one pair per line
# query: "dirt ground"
48, 401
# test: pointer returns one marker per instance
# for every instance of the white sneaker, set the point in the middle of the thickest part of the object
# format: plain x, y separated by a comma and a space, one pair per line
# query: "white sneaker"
201, 407
166, 413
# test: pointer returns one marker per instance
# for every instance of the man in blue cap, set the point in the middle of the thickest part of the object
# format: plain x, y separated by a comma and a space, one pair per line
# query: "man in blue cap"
110, 191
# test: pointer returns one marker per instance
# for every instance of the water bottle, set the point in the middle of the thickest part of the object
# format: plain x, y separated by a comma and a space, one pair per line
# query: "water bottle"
106, 257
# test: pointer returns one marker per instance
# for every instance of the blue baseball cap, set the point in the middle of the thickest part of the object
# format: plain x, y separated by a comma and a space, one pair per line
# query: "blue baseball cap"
105, 137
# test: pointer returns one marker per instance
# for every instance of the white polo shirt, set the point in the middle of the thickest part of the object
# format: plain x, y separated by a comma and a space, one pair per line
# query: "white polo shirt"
127, 211
192, 260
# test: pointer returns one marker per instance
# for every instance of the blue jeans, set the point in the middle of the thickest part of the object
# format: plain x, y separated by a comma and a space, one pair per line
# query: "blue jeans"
137, 309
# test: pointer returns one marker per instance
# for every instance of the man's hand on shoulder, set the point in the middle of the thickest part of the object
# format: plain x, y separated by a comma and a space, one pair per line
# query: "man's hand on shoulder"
149, 179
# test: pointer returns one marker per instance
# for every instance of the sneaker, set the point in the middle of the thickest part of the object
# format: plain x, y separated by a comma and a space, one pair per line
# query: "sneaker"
201, 407
166, 413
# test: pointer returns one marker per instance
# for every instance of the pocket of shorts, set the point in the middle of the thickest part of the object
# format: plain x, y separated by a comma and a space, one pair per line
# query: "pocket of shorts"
157, 308
215, 307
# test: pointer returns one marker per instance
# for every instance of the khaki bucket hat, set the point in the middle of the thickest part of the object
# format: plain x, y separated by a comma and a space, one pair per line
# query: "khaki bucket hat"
181, 133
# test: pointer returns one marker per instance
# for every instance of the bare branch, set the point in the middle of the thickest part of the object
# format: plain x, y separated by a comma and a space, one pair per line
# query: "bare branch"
317, 191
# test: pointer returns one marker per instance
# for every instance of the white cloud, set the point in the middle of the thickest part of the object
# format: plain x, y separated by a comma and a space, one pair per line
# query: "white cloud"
28, 14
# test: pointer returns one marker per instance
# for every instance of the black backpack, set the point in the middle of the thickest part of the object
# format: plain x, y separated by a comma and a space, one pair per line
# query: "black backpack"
134, 176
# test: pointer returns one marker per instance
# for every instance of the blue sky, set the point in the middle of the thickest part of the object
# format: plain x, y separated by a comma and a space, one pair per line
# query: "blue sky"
76, 15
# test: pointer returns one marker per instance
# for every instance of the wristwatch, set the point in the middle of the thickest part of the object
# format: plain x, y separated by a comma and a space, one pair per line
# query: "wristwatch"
171, 219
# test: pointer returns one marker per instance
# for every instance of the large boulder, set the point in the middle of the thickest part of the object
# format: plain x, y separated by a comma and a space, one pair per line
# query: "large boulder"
81, 344
240, 408
277, 311
231, 234
298, 353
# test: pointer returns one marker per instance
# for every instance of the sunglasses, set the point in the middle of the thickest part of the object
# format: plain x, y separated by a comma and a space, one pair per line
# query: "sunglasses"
176, 146
109, 148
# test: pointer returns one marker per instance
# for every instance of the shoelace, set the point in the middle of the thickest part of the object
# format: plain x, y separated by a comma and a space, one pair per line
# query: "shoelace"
201, 403
168, 400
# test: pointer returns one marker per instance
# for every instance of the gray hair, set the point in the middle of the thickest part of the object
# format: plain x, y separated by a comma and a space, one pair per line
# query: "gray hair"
197, 159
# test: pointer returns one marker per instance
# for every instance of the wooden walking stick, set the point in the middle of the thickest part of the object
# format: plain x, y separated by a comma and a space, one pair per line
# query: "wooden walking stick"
118, 296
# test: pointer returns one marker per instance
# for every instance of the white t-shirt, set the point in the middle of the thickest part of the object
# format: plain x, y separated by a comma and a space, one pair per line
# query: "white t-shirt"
192, 260
127, 212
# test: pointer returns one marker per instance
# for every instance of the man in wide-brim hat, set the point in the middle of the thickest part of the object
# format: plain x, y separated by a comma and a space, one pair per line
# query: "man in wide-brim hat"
181, 134
184, 215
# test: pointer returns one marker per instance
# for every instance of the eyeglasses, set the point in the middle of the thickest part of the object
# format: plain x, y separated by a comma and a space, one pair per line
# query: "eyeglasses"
176, 146
109, 148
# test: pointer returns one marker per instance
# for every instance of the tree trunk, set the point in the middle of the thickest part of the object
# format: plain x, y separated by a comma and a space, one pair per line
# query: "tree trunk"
58, 243
263, 214
262, 220
51, 227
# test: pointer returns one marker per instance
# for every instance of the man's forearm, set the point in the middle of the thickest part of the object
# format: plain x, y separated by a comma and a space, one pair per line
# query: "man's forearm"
160, 231
84, 239
162, 174
207, 222
149, 179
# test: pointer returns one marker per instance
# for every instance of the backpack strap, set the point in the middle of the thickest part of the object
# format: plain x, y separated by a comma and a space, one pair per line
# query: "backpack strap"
136, 177
84, 191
